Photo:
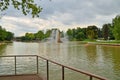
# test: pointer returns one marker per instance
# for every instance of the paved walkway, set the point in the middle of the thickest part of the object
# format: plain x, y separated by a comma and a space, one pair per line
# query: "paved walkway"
21, 77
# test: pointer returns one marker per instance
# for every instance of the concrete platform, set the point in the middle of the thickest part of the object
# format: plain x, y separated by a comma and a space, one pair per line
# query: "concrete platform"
21, 77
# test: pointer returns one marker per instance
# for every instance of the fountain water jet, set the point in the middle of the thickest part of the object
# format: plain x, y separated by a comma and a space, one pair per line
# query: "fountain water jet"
55, 36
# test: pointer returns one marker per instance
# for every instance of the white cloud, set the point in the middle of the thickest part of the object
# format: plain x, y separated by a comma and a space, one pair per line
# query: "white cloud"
21, 25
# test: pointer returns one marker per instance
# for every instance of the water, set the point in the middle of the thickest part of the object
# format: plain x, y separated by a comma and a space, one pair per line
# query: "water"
98, 59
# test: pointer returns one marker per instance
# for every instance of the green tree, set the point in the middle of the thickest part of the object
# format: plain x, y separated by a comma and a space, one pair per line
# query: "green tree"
69, 33
76, 34
29, 36
5, 35
80, 36
105, 31
39, 35
47, 34
92, 32
84, 31
9, 36
2, 35
116, 27
73, 33
111, 36
100, 33
25, 6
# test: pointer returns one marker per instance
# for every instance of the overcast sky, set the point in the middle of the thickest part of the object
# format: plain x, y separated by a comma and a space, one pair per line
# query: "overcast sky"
62, 14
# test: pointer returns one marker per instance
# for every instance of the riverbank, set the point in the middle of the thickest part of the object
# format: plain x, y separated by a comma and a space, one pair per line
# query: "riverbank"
1, 43
97, 43
5, 42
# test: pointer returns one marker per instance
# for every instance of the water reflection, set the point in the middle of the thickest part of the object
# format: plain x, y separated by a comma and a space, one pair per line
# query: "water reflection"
99, 59
2, 48
91, 53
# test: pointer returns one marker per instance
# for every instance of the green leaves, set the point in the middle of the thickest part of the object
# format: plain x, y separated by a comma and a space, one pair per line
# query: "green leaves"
76, 34
116, 27
25, 6
4, 5
5, 35
92, 32
105, 31
35, 36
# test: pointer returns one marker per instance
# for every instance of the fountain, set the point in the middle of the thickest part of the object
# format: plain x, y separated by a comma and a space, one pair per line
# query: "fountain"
55, 36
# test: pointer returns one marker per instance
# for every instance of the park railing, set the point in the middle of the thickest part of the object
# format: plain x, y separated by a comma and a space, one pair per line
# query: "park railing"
36, 70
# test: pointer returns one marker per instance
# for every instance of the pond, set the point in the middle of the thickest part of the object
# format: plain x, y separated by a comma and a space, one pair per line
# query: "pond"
101, 60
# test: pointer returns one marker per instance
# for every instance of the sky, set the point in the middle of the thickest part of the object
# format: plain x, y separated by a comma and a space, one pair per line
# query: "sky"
62, 14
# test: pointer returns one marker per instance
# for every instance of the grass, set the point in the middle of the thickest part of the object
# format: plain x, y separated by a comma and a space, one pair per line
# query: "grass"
109, 41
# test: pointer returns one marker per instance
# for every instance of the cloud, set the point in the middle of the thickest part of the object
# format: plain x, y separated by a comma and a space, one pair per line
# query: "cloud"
18, 25
81, 11
62, 14
21, 25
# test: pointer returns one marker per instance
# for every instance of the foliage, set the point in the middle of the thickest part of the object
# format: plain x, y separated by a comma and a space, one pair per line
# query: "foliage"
105, 31
25, 6
9, 36
100, 33
34, 36
69, 33
111, 36
116, 27
39, 35
48, 33
5, 35
80, 36
92, 32
76, 34
29, 36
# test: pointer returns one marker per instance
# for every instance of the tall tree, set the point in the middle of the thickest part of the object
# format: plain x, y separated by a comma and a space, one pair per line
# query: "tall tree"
48, 33
92, 32
69, 33
84, 31
116, 27
105, 31
80, 34
111, 32
100, 33
39, 35
5, 35
9, 36
73, 33
29, 36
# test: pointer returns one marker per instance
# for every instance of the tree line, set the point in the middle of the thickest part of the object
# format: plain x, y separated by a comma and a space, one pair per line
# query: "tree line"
40, 35
109, 31
5, 35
